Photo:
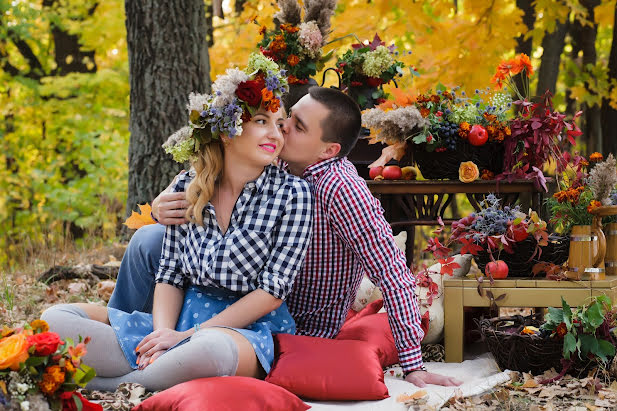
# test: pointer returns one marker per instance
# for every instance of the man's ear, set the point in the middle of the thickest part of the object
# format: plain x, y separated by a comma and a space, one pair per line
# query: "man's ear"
331, 150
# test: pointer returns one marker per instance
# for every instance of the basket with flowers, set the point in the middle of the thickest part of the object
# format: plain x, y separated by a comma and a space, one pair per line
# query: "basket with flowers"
503, 233
295, 44
366, 67
570, 339
448, 128
38, 370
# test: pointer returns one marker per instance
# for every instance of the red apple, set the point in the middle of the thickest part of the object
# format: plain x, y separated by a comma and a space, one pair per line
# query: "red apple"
392, 172
497, 269
374, 172
478, 135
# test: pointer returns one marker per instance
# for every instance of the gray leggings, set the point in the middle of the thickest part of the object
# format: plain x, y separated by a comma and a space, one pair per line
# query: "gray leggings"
209, 353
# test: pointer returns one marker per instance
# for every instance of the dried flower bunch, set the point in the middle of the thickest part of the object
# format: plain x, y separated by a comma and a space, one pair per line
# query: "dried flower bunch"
38, 369
235, 97
295, 45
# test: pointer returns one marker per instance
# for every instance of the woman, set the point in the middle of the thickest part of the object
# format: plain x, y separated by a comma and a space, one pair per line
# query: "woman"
237, 259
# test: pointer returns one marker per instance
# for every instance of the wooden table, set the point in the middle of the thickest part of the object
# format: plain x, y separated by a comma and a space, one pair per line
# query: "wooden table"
408, 204
521, 292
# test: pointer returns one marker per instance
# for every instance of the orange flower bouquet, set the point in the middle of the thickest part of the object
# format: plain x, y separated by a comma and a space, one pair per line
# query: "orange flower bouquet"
582, 192
297, 46
40, 371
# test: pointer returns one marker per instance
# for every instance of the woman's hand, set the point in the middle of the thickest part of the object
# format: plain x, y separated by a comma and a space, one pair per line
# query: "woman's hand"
156, 343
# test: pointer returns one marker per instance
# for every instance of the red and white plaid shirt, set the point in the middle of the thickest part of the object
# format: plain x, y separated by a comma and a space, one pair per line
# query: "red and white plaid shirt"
352, 238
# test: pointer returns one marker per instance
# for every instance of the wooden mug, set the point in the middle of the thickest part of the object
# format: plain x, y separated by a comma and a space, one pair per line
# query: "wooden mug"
610, 261
587, 251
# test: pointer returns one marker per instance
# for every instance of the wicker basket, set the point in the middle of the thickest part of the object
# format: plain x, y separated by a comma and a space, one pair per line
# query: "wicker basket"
434, 165
521, 261
520, 352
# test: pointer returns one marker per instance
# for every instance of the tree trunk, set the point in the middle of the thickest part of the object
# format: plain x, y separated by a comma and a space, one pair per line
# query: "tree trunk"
168, 58
592, 114
525, 45
609, 114
552, 44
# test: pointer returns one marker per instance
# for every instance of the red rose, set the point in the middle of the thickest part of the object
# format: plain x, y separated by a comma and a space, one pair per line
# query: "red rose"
373, 82
250, 92
44, 343
68, 402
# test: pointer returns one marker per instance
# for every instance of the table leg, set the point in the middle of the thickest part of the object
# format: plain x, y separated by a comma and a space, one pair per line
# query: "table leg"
453, 324
409, 245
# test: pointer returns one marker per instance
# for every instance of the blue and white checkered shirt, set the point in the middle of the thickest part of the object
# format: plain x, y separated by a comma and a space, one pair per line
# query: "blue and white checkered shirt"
264, 246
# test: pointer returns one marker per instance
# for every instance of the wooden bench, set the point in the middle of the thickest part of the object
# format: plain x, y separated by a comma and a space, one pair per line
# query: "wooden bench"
519, 292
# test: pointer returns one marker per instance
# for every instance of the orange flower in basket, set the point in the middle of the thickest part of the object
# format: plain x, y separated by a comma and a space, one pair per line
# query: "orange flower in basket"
425, 112
468, 172
13, 350
593, 205
293, 60
487, 175
561, 330
596, 157
289, 28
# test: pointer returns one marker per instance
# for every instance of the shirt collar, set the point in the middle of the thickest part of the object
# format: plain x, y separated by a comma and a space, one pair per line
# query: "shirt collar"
320, 167
259, 184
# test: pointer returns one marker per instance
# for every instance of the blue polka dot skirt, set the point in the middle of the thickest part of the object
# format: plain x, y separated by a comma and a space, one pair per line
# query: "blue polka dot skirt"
201, 304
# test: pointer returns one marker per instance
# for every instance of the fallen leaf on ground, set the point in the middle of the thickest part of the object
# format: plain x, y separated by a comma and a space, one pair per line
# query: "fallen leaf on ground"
77, 288
105, 288
415, 396
530, 383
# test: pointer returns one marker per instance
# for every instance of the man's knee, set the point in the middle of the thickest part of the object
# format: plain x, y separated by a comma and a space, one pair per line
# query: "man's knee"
148, 241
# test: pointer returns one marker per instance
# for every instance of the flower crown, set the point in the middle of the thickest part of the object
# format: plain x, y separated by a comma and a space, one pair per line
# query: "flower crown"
236, 96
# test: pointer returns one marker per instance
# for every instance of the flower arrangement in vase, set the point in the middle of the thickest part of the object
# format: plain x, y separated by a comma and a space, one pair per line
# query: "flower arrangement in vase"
367, 66
537, 131
38, 370
296, 44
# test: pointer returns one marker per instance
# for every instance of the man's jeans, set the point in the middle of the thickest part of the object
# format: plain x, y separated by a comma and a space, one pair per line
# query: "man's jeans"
135, 286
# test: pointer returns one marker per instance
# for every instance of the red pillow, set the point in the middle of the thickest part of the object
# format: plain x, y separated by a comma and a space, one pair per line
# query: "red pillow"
372, 308
223, 394
375, 330
329, 370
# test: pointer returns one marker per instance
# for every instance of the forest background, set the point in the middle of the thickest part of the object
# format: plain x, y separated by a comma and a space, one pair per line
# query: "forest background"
68, 95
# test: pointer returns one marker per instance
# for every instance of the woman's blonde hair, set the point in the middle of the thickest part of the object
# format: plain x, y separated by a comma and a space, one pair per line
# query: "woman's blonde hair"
208, 166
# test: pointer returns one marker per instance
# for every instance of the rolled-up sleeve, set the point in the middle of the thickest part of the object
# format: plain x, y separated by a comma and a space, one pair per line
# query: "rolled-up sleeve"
170, 269
291, 238
358, 219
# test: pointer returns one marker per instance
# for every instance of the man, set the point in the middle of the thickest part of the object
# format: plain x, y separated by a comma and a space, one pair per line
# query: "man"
350, 236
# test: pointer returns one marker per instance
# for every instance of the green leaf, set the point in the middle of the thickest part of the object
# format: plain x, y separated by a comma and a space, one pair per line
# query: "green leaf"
569, 345
588, 344
554, 316
567, 313
78, 403
594, 315
605, 349
35, 361
441, 87
83, 374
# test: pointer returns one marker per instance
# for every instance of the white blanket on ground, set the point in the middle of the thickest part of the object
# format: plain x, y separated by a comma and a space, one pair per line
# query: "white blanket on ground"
479, 375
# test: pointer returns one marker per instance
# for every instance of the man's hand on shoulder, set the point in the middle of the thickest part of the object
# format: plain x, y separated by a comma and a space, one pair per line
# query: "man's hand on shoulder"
169, 208
422, 378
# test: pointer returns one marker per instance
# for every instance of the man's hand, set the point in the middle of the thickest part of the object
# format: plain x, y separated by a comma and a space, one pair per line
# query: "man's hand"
170, 208
422, 378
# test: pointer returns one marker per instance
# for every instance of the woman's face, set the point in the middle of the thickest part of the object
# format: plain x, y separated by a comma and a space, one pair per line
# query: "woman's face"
261, 140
